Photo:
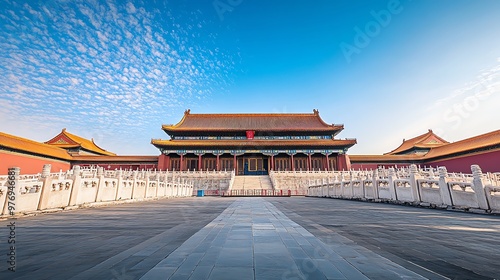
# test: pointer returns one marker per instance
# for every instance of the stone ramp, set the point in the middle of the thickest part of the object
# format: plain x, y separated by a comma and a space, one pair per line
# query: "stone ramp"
254, 240
251, 182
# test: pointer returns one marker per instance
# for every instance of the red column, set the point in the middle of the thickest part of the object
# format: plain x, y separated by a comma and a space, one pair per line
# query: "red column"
163, 162
292, 165
199, 162
272, 162
309, 162
343, 162
327, 163
217, 164
234, 163
182, 162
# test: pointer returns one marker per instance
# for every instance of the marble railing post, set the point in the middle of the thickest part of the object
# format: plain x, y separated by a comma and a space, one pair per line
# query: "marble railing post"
46, 170
392, 187
443, 186
147, 176
46, 187
134, 184
119, 176
375, 183
184, 186
478, 186
413, 183
77, 181
168, 190
157, 182
325, 184
100, 183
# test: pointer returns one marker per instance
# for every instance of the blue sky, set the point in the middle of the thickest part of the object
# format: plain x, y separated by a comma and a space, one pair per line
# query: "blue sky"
116, 71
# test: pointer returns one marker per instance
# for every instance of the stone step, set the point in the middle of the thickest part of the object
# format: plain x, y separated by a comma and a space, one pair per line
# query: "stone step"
250, 182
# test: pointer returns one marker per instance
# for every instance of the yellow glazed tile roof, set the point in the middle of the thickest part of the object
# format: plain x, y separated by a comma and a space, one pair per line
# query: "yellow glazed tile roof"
68, 140
257, 122
32, 147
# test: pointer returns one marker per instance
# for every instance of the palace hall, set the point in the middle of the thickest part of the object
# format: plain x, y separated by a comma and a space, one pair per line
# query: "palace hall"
253, 144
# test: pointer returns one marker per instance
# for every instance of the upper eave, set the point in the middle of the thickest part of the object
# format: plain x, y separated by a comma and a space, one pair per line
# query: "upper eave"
257, 122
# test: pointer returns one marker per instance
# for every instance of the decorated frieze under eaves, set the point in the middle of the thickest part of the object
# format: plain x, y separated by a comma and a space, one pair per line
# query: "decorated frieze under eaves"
253, 151
256, 137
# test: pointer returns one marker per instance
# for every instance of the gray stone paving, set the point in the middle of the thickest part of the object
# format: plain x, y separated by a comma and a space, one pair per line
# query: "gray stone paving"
252, 239
437, 244
120, 242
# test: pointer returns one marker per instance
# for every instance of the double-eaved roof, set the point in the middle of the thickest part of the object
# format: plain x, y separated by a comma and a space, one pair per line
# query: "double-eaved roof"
264, 126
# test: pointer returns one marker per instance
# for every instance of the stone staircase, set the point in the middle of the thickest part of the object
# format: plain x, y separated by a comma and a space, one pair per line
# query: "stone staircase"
252, 182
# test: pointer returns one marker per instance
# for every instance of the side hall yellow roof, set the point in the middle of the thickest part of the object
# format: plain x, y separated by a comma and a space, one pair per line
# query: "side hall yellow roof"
68, 140
16, 143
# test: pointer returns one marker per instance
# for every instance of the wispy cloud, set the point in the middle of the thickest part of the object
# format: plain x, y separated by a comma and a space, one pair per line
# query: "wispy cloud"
97, 66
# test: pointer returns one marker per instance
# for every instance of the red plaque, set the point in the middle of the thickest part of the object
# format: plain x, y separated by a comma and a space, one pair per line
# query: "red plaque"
250, 134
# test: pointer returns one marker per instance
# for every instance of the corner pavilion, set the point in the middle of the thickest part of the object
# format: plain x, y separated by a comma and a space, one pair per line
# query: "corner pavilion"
253, 144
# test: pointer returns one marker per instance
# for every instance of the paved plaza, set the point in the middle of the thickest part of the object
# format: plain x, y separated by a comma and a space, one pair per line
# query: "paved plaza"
255, 238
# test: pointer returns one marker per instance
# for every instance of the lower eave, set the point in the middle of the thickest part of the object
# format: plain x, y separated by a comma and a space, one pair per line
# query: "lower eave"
253, 144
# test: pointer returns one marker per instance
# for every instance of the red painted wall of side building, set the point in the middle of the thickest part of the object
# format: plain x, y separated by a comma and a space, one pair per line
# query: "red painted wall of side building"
372, 166
488, 161
29, 164
124, 166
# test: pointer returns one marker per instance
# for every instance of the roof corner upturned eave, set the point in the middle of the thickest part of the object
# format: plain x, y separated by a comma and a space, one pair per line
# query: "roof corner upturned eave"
172, 127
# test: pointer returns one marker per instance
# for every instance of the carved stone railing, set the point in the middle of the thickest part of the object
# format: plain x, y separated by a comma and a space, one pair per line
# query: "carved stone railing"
430, 187
90, 186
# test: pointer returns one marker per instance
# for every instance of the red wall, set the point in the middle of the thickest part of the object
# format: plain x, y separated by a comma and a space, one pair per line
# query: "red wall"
371, 166
29, 164
489, 162
124, 166
363, 166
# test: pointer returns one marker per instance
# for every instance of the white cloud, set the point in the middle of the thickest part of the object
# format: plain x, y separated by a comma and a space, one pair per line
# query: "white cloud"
131, 8
86, 66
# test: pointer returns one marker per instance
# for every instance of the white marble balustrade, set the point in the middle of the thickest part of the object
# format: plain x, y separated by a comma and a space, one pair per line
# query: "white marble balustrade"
91, 186
433, 187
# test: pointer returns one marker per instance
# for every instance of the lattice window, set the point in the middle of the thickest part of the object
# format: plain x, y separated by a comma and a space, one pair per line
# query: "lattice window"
282, 164
226, 164
300, 163
317, 163
332, 164
175, 164
209, 164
